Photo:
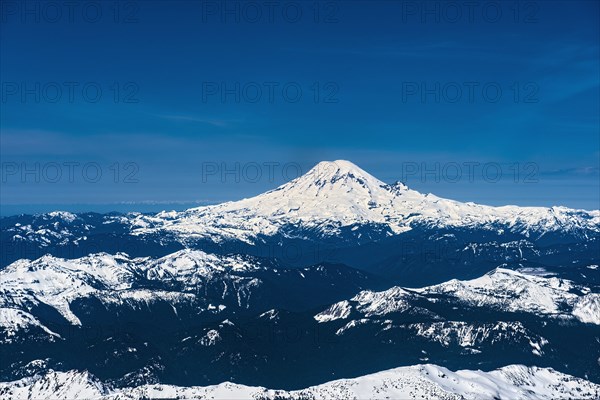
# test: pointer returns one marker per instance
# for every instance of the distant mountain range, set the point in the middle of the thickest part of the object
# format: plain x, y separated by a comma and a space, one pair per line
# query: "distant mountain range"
334, 266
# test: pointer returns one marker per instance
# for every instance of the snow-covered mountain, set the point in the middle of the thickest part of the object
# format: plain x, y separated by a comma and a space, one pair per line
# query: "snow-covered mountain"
510, 290
415, 382
501, 289
192, 279
57, 282
504, 314
338, 194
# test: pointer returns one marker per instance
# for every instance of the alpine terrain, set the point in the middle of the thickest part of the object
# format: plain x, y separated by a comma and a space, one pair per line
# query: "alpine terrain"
334, 285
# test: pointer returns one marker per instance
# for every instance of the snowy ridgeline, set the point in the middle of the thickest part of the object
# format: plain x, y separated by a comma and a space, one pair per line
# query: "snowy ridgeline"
501, 289
114, 278
415, 382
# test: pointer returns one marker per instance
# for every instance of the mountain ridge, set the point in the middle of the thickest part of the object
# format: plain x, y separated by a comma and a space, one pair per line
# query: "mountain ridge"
418, 381
501, 288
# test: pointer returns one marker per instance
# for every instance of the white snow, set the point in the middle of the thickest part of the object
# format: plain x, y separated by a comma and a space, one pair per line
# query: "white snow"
339, 310
587, 309
415, 382
371, 303
211, 338
64, 215
467, 334
54, 385
13, 321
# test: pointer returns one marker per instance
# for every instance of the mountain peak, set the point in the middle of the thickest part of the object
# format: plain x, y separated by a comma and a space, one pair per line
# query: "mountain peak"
340, 173
337, 165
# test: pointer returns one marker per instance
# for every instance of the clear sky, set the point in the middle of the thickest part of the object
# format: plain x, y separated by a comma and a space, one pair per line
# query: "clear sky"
163, 104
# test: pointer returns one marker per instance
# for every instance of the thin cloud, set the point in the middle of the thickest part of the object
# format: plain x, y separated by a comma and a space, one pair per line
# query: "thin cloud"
220, 123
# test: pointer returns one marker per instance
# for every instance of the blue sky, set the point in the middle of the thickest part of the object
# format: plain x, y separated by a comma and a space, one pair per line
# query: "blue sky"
155, 95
